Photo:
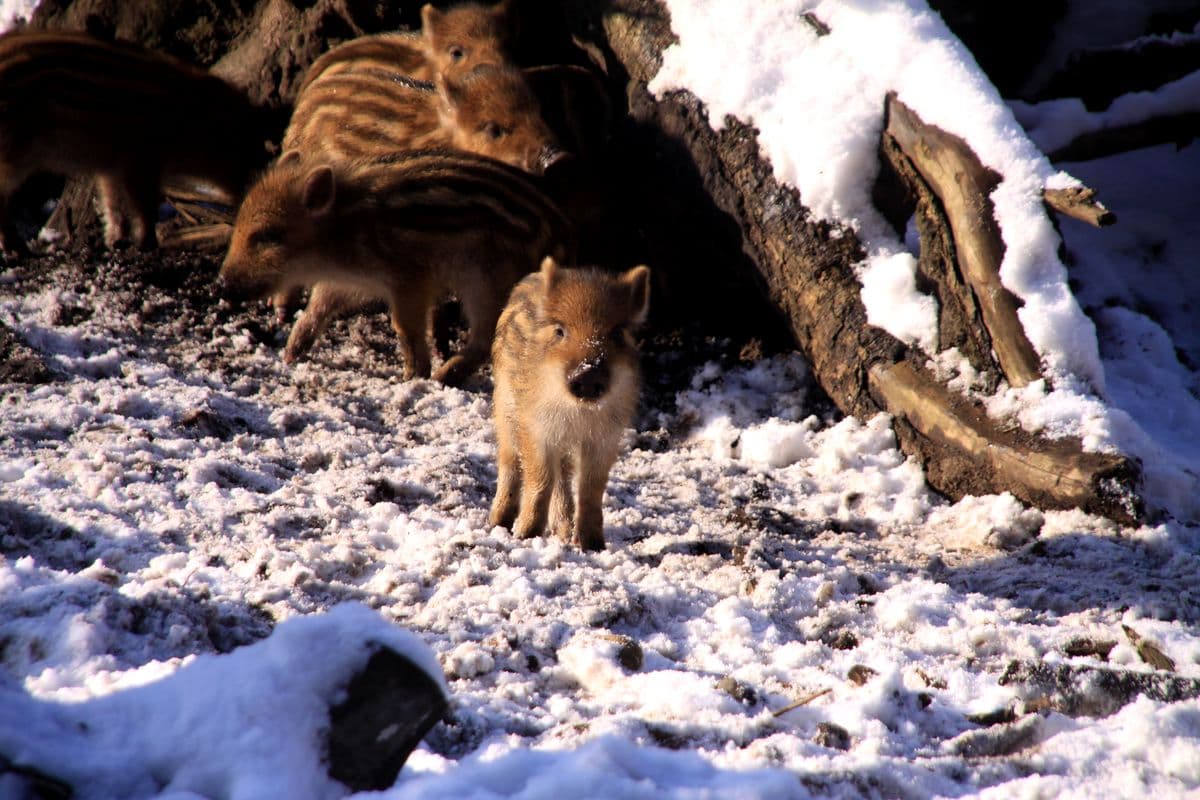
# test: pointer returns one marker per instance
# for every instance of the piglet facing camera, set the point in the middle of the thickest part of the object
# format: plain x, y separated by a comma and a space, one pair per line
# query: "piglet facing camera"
566, 376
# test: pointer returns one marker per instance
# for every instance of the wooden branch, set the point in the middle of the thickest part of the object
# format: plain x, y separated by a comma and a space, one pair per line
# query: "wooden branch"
1177, 129
964, 186
1049, 473
1081, 204
814, 22
959, 319
803, 701
1099, 76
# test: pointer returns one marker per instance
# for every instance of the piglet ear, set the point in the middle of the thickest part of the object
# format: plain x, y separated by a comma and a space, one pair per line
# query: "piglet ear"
637, 283
319, 191
504, 14
549, 273
289, 158
430, 17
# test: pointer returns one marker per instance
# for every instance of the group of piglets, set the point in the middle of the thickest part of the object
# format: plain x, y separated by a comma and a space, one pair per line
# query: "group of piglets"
413, 169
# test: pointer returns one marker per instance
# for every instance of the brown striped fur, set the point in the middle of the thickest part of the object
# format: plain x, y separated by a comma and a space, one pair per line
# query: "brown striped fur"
71, 104
409, 229
453, 40
489, 110
566, 385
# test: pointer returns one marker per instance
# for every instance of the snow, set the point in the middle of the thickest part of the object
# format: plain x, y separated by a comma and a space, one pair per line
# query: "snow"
13, 10
243, 725
829, 152
198, 542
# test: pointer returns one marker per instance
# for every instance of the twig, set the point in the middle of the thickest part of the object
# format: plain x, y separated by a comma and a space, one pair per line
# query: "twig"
801, 702
1080, 203
816, 24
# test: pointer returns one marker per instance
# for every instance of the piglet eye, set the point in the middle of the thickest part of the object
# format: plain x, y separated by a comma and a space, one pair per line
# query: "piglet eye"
267, 236
456, 53
560, 333
493, 130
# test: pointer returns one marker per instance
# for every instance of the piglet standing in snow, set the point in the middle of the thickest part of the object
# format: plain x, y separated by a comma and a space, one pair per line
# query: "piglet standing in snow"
71, 104
408, 229
566, 385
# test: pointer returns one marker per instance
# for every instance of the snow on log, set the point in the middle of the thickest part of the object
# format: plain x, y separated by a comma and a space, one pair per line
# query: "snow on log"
327, 701
808, 269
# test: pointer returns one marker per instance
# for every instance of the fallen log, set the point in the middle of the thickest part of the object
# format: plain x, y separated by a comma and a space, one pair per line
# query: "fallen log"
806, 270
1092, 691
1178, 129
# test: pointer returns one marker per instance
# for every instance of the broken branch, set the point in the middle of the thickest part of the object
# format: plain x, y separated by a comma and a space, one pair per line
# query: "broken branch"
1080, 203
964, 187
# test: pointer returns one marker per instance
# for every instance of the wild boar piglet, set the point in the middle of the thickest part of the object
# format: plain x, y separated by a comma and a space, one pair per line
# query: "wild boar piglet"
490, 110
410, 229
565, 367
451, 41
71, 104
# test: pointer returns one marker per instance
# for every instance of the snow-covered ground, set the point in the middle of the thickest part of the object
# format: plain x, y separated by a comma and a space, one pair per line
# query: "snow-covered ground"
783, 611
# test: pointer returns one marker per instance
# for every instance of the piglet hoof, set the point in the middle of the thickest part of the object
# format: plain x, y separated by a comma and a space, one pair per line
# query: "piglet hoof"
527, 531
562, 529
453, 372
502, 517
297, 346
592, 541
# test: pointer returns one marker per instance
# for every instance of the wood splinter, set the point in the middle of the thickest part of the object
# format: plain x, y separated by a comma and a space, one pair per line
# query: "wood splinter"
1080, 203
